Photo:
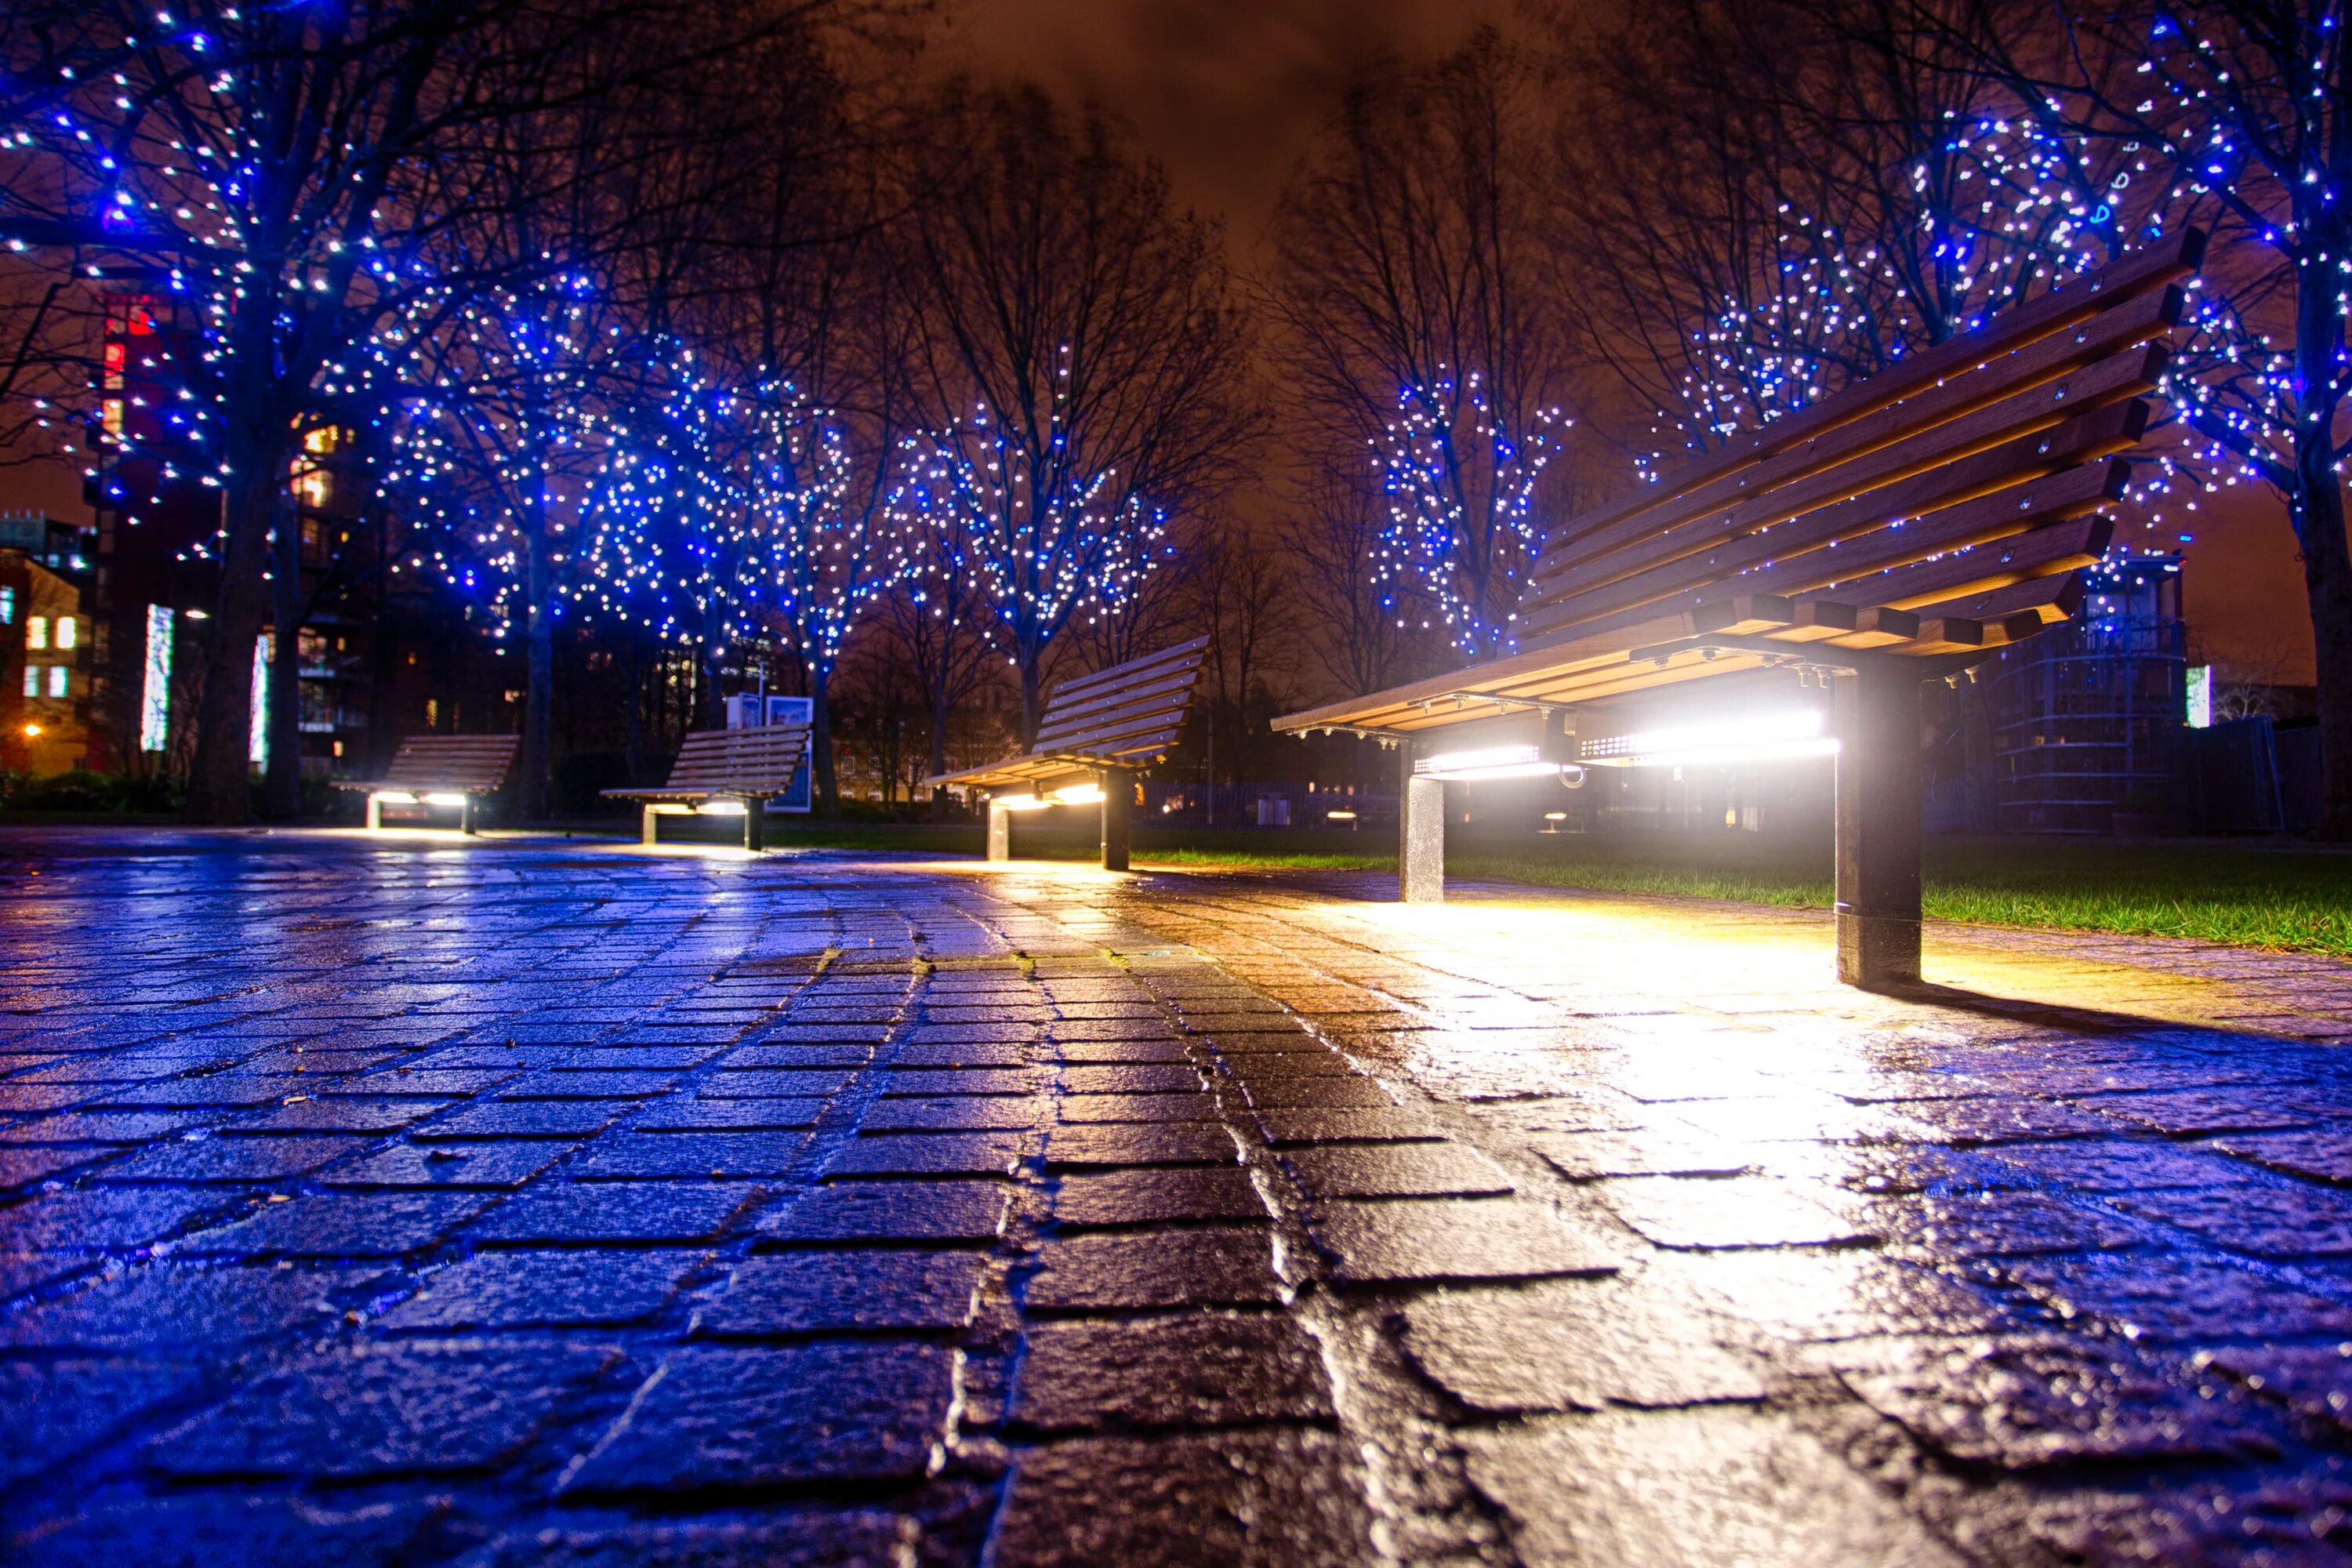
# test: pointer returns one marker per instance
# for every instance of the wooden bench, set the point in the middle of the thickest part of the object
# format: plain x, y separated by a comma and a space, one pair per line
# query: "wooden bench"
1097, 733
1897, 532
438, 770
726, 772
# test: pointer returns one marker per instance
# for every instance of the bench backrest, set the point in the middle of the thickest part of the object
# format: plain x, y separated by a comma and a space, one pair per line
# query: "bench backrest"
1127, 715
472, 764
1952, 495
758, 761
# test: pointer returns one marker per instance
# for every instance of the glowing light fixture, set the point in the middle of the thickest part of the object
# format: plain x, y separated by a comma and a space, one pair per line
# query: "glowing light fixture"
1340, 816
1492, 762
393, 797
1020, 803
1070, 789
1778, 736
444, 799
719, 808
32, 732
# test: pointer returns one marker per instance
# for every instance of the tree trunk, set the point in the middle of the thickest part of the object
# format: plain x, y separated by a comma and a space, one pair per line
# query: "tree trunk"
828, 788
939, 753
1031, 682
633, 747
2318, 512
282, 779
220, 773
2327, 584
539, 685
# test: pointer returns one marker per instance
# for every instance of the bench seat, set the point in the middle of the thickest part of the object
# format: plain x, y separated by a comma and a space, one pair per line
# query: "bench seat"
466, 767
743, 768
1098, 732
1901, 531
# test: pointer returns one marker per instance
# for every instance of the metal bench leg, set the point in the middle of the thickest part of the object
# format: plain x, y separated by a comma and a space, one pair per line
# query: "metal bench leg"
1420, 835
1878, 809
376, 814
755, 826
1118, 813
1000, 831
466, 814
648, 834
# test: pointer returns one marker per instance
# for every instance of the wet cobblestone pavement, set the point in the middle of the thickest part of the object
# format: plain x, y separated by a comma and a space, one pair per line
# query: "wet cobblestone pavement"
531, 1203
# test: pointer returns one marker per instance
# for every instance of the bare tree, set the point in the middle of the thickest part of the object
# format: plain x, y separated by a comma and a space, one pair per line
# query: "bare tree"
1079, 365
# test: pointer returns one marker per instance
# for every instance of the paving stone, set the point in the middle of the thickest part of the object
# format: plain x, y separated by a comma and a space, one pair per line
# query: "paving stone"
796, 1415
1248, 1500
1979, 1224
1450, 1238
1690, 1486
545, 1289
1091, 1049
914, 1083
886, 1211
930, 1154
796, 1293
1180, 1143
231, 1159
2313, 1381
1560, 1346
1737, 1211
23, 1166
2318, 1154
2263, 1221
1228, 1266
1218, 1369
787, 1540
103, 1127
718, 1155
976, 1053
1595, 1156
2187, 1113
342, 1113
376, 1413
1396, 1170
1270, 1093
2187, 1300
1150, 1196
222, 1091
380, 1225
955, 1113
452, 1081
106, 1217
728, 1115
562, 1085
2116, 1165
525, 1119
1136, 1080
21, 1272
2031, 1403
1292, 1129
649, 1213
770, 1084
208, 1530
1812, 1294
187, 1311
484, 1165
58, 1408
1137, 1108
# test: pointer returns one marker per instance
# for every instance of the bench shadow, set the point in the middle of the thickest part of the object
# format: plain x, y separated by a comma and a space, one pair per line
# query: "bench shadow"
2054, 1014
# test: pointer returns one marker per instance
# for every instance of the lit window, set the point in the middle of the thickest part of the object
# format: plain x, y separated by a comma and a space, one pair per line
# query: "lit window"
32, 680
36, 631
7, 606
58, 673
66, 634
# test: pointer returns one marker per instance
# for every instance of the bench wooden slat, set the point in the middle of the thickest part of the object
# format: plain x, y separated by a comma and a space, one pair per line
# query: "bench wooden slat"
456, 765
2146, 272
1134, 671
2131, 325
2064, 549
753, 764
1126, 716
2000, 441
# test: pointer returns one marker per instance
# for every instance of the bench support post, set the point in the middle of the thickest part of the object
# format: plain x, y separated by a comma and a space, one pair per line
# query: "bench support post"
648, 833
1000, 831
466, 814
1878, 826
1420, 834
1118, 813
755, 825
376, 813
